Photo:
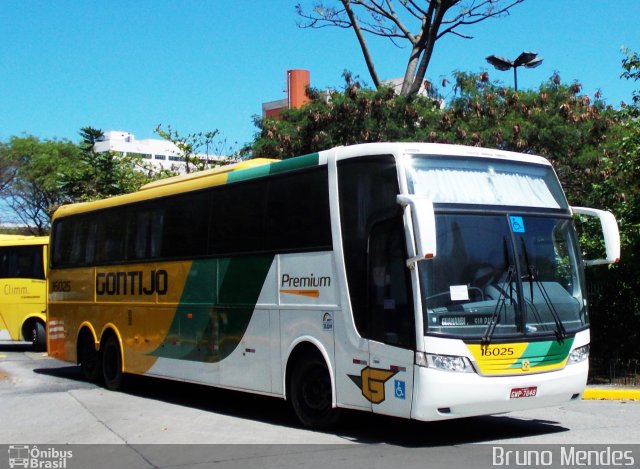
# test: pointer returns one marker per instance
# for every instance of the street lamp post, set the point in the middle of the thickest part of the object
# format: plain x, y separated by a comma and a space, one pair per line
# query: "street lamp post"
526, 59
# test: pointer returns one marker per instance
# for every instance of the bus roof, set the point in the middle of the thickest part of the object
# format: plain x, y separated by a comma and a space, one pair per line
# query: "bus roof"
244, 170
439, 149
22, 240
208, 172
258, 167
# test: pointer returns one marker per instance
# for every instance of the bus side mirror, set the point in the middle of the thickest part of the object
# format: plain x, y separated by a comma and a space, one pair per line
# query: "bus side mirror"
424, 225
610, 232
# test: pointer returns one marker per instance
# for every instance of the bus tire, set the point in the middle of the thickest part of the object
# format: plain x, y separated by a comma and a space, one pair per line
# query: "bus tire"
38, 336
111, 363
89, 358
311, 393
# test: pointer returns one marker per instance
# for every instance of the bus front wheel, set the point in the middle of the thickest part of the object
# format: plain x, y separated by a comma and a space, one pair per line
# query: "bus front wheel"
311, 393
112, 364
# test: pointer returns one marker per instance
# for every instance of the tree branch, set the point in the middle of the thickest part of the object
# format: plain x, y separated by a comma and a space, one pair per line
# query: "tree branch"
363, 44
380, 18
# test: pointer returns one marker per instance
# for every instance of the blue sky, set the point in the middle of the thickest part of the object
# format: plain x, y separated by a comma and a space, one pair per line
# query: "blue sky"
200, 65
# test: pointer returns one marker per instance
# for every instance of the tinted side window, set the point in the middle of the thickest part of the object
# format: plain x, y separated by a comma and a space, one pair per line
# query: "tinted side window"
21, 262
367, 188
185, 225
62, 242
237, 220
298, 212
286, 213
110, 236
144, 233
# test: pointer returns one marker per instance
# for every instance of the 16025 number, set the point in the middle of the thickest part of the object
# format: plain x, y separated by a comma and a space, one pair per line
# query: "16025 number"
497, 351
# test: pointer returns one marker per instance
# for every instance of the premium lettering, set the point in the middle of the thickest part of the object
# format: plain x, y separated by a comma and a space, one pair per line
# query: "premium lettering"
137, 282
301, 282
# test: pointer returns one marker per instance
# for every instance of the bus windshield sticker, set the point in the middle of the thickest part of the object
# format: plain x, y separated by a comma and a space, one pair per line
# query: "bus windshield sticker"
459, 292
517, 224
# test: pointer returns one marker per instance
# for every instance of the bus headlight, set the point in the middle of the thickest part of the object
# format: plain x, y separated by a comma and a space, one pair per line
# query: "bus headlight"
579, 354
444, 362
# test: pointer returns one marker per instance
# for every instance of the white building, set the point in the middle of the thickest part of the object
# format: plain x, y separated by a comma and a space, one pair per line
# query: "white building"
161, 154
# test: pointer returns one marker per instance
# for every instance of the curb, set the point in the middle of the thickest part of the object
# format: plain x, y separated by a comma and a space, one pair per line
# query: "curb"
611, 394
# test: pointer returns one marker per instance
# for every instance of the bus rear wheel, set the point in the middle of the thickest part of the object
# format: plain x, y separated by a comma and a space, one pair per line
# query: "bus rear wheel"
311, 393
38, 336
112, 364
89, 358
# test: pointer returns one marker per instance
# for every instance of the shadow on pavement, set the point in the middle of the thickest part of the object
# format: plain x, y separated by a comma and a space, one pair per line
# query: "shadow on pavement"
354, 426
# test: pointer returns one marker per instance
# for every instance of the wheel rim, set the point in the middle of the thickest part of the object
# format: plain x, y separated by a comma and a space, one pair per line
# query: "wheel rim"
316, 390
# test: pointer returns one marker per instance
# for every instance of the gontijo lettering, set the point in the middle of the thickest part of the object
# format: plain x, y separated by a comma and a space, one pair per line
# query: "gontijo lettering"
310, 281
137, 282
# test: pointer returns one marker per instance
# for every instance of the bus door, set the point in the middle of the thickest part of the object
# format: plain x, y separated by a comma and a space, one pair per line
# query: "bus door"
392, 336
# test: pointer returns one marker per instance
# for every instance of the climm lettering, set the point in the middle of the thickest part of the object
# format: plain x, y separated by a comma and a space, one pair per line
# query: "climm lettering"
9, 290
137, 282
310, 281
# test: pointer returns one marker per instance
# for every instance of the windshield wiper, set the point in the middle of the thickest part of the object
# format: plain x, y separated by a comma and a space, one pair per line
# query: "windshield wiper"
561, 332
500, 305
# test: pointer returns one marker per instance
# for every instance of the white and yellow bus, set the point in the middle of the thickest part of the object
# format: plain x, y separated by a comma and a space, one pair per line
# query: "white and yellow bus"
23, 289
416, 280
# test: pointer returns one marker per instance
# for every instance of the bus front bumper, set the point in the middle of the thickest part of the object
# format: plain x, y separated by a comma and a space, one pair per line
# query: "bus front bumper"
442, 395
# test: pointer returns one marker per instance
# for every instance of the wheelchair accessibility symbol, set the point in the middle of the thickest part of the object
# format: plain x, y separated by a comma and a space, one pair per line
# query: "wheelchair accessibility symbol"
517, 224
399, 389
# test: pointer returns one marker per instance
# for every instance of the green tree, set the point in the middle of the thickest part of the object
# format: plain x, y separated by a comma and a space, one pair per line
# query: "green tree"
34, 192
555, 121
631, 71
48, 173
190, 146
103, 174
616, 186
354, 115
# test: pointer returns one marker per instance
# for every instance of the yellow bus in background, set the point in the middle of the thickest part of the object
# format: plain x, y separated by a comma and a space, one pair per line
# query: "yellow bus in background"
23, 289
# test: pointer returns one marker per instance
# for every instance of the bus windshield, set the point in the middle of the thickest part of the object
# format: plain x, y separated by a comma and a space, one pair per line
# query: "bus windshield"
502, 275
485, 182
503, 268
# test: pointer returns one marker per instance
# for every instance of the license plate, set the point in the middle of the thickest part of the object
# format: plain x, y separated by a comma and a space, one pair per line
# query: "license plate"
518, 393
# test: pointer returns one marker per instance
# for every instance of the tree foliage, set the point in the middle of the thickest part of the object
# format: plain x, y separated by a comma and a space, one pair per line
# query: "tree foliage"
631, 71
190, 146
616, 303
45, 174
554, 121
97, 175
33, 192
416, 23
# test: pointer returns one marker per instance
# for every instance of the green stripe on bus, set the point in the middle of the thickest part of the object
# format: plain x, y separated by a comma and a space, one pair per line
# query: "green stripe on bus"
210, 321
545, 353
290, 164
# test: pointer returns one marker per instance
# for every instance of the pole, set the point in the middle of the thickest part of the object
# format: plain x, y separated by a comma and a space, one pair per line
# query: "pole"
515, 78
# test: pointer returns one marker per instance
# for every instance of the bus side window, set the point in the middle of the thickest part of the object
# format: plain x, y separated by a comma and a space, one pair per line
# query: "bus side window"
367, 189
390, 302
